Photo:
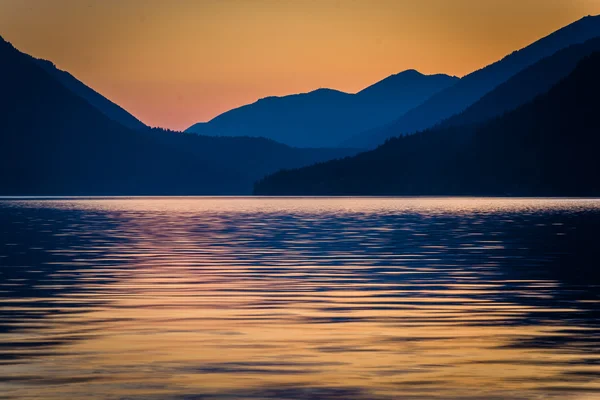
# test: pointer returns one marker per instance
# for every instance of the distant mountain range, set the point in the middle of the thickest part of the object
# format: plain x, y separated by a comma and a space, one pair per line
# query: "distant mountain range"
525, 125
546, 147
57, 137
326, 117
474, 86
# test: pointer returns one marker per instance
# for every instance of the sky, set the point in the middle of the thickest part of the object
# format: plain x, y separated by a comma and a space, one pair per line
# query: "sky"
172, 63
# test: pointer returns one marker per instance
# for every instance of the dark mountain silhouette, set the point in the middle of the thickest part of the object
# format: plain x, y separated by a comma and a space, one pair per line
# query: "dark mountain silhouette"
252, 158
107, 107
546, 147
526, 85
474, 86
53, 142
326, 117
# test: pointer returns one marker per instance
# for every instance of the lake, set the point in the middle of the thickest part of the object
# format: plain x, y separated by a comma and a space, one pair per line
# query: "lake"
299, 298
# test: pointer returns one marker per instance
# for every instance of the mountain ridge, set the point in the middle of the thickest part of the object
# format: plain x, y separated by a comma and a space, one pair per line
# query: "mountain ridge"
546, 147
318, 118
475, 85
53, 142
97, 100
525, 85
100, 102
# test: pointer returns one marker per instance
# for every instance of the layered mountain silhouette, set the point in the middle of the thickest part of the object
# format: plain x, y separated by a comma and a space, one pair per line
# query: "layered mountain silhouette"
522, 126
526, 85
101, 103
474, 86
546, 147
55, 142
326, 117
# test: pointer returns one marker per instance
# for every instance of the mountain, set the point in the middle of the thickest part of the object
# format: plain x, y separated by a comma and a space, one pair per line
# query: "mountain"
474, 86
326, 117
526, 85
548, 147
405, 90
53, 142
101, 103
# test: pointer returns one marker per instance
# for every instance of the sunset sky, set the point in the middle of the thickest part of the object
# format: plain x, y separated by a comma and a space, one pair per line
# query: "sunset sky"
172, 63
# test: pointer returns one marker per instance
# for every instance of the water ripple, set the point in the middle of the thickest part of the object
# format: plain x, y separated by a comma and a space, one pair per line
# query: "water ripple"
263, 298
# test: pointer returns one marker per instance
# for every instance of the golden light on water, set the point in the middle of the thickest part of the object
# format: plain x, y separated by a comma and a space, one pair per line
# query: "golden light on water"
219, 298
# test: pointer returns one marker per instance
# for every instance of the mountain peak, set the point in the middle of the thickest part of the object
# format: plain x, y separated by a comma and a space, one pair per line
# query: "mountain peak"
469, 89
326, 91
556, 131
406, 81
316, 92
409, 72
413, 73
325, 117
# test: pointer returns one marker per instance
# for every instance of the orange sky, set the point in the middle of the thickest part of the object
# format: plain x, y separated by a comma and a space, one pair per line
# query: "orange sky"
175, 62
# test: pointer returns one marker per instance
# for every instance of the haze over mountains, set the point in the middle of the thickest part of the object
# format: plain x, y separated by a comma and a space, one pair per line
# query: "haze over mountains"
326, 117
472, 87
547, 147
55, 142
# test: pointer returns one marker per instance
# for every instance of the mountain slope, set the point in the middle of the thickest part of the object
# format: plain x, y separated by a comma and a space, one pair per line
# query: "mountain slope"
526, 85
53, 142
472, 87
107, 107
546, 147
326, 117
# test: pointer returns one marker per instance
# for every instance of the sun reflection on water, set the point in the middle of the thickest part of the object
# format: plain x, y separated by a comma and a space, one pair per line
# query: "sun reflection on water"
263, 298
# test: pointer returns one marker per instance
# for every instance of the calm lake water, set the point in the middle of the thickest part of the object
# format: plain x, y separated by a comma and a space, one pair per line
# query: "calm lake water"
259, 298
